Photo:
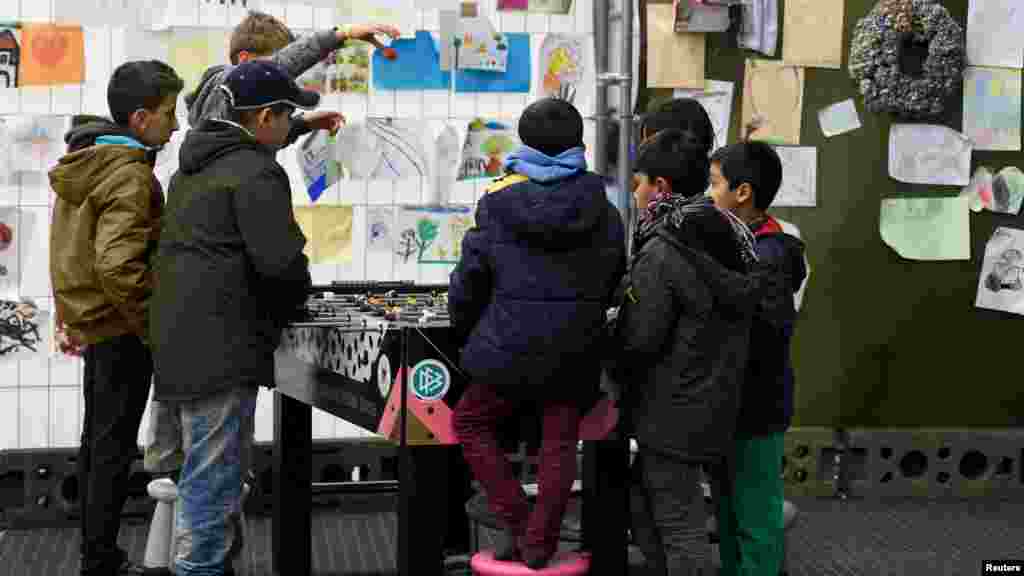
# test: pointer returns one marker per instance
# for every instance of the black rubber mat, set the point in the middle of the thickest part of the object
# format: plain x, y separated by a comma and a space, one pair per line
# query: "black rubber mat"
851, 538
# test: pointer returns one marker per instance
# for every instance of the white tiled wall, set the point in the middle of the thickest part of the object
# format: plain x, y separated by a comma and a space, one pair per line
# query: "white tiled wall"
40, 399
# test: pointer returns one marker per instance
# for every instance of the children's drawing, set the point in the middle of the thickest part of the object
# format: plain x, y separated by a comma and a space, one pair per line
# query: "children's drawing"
384, 149
479, 47
10, 57
1008, 190
992, 104
927, 228
416, 66
483, 154
328, 231
691, 17
716, 99
344, 70
799, 176
562, 65
993, 33
979, 191
539, 6
773, 97
51, 54
380, 223
516, 78
23, 329
1001, 285
36, 142
317, 158
432, 235
9, 227
929, 154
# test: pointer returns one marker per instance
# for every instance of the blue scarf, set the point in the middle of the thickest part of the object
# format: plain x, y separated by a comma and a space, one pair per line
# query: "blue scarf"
540, 167
122, 141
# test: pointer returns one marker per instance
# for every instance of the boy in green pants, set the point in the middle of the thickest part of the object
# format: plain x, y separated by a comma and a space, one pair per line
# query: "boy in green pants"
745, 178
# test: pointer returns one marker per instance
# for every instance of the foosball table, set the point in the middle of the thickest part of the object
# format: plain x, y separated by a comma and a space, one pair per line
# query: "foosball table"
379, 355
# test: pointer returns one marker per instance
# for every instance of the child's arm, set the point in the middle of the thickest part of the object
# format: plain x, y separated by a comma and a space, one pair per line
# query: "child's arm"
470, 285
776, 305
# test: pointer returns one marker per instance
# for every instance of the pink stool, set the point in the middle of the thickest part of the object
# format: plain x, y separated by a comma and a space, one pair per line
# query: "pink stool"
563, 564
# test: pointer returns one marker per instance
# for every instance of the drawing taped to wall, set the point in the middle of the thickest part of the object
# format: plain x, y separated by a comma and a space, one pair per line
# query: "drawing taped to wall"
538, 6
1002, 193
562, 65
380, 223
384, 149
9, 231
1001, 285
432, 234
23, 329
344, 70
36, 142
485, 149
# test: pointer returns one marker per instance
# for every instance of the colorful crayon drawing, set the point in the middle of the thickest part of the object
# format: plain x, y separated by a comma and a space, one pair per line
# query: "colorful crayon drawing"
486, 147
344, 70
433, 235
562, 65
480, 47
992, 100
41, 55
540, 6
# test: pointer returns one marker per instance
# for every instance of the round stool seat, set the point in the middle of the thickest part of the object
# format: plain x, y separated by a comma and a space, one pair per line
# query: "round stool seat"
563, 564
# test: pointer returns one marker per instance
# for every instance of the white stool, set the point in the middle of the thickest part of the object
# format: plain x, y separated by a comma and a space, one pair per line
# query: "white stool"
160, 544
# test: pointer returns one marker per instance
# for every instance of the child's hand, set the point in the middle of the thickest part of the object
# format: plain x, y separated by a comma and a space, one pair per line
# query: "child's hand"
369, 32
67, 344
324, 120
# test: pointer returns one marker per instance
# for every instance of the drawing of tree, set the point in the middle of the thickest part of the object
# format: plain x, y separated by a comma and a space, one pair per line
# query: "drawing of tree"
407, 244
495, 148
428, 230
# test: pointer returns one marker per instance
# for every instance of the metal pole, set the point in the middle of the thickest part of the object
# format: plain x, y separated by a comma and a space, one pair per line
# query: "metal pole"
601, 10
626, 118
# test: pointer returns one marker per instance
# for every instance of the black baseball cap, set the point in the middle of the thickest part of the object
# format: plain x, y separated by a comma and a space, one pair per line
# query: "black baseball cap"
262, 83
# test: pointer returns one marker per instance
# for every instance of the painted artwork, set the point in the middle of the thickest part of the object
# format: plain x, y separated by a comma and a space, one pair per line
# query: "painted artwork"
384, 149
485, 149
992, 102
344, 70
516, 77
1001, 285
539, 6
562, 65
1002, 193
479, 47
317, 156
432, 235
9, 231
23, 329
37, 142
37, 54
380, 224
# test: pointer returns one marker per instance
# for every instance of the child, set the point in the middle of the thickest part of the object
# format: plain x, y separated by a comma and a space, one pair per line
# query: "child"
744, 179
260, 36
231, 274
683, 331
106, 221
527, 302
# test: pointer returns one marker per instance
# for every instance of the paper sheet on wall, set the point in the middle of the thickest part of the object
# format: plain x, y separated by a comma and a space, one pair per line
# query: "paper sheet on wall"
760, 27
24, 330
563, 64
328, 231
447, 148
673, 60
716, 98
773, 101
1002, 193
992, 103
380, 226
384, 149
792, 230
540, 6
929, 154
691, 17
37, 142
193, 52
799, 177
927, 228
813, 33
994, 33
344, 70
839, 118
432, 234
485, 149
480, 46
1001, 283
10, 230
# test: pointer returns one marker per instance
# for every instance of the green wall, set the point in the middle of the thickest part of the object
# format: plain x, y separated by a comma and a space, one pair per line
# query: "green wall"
882, 341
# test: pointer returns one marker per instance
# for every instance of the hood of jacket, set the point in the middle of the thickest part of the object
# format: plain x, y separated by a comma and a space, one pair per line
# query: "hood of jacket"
196, 101
213, 140
76, 174
561, 212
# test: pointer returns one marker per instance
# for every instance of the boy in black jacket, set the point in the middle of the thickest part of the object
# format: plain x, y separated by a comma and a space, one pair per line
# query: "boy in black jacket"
745, 178
230, 272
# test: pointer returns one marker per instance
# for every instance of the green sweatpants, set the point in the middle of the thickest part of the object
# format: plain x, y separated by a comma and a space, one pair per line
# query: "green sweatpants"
750, 513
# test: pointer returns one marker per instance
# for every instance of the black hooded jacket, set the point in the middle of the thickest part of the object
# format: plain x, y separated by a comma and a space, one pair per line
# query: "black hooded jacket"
230, 269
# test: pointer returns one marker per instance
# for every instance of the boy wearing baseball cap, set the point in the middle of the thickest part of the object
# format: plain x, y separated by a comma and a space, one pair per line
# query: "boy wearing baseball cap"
230, 272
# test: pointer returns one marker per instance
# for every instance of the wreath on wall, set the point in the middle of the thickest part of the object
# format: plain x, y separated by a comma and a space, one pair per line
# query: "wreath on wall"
907, 57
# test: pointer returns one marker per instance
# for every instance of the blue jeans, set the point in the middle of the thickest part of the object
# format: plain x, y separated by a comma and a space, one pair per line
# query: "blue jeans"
217, 435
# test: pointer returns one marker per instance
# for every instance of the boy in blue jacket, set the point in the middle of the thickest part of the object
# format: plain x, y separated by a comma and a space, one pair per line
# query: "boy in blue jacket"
745, 178
527, 302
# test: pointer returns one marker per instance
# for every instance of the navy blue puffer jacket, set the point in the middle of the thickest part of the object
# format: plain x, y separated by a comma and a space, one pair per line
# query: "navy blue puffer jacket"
529, 295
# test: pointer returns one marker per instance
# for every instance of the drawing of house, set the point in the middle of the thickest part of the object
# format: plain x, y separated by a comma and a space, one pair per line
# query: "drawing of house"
10, 54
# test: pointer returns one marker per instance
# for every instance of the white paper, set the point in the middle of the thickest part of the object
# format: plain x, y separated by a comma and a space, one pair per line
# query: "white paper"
799, 176
447, 153
760, 29
37, 142
380, 225
929, 154
384, 149
839, 118
792, 230
437, 4
10, 232
716, 99
1001, 283
994, 33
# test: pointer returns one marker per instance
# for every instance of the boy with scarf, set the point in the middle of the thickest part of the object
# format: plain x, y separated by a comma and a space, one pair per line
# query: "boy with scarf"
106, 222
683, 332
745, 178
527, 302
